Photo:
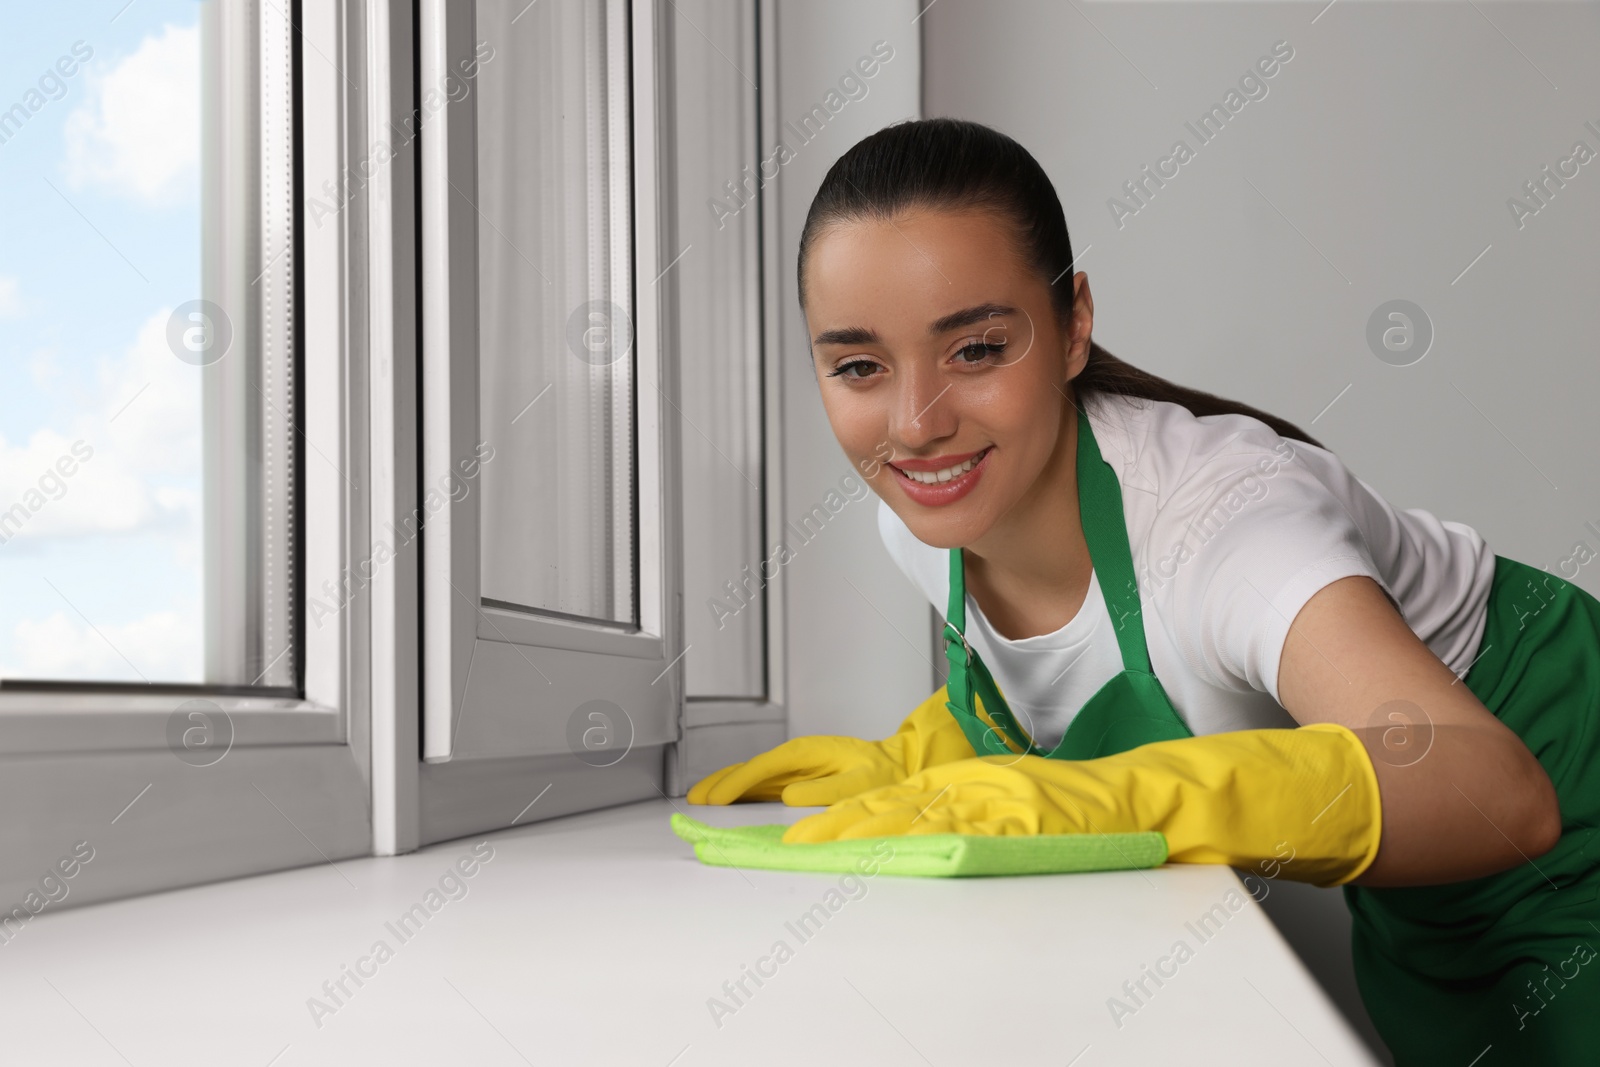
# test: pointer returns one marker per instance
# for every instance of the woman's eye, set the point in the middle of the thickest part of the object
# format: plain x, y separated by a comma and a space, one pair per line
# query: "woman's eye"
848, 369
979, 351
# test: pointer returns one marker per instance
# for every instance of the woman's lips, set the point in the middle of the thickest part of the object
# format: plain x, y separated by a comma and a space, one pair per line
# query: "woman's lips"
938, 494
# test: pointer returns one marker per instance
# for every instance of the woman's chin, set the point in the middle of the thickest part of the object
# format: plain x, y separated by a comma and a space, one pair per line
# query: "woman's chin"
944, 527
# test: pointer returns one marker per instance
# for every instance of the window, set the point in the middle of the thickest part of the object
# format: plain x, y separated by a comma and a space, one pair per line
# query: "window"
550, 571
720, 347
190, 441
395, 318
726, 242
147, 454
555, 318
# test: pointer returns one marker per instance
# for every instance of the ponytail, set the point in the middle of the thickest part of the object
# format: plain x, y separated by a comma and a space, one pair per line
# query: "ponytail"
953, 163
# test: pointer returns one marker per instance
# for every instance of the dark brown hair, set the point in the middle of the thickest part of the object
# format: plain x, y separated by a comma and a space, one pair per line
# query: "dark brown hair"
956, 164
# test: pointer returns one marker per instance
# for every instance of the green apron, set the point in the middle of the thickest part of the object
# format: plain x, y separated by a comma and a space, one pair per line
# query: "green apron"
1509, 963
1132, 708
1505, 967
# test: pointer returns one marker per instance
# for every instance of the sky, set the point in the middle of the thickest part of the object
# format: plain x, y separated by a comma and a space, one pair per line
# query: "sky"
99, 242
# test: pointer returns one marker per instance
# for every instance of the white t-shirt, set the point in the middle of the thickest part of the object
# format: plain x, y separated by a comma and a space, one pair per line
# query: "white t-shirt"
1232, 529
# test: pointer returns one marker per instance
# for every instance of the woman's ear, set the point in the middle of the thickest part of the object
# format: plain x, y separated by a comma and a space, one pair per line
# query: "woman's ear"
1079, 326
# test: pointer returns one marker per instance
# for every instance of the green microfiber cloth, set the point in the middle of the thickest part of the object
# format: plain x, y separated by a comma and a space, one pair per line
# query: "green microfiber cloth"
927, 855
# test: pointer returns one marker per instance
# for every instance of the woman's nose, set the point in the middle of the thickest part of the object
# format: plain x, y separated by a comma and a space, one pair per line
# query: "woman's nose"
923, 412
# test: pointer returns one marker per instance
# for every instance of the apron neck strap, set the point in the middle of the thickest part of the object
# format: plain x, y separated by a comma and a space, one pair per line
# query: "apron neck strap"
1105, 531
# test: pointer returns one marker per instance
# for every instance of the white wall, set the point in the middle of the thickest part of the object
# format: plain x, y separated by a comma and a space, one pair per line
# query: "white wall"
857, 658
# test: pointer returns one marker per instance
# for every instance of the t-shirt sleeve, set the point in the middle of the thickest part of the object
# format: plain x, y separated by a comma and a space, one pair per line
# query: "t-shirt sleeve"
1256, 538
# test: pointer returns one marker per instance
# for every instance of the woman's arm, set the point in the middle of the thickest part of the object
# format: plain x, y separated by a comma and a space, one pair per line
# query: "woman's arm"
1462, 795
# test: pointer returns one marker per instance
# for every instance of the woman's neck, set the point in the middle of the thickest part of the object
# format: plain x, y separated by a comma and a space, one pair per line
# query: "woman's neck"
1029, 572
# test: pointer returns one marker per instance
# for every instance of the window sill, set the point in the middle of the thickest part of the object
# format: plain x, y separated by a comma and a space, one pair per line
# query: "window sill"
38, 722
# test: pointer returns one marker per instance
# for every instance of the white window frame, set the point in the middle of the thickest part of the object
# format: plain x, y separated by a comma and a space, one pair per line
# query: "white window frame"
721, 731
340, 773
489, 776
294, 787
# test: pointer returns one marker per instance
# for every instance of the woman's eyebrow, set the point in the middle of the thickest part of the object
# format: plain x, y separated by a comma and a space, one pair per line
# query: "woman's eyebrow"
861, 335
968, 316
846, 335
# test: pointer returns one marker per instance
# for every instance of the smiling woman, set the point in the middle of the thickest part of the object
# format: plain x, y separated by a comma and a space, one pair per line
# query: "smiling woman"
1245, 701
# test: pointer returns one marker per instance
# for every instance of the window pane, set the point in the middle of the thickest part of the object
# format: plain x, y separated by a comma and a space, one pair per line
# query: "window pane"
146, 460
725, 571
555, 323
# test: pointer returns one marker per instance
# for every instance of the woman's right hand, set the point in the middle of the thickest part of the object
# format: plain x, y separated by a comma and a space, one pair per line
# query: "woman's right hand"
803, 772
820, 769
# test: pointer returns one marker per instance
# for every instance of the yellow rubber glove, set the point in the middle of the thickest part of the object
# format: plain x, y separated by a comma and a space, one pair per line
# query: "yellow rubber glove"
1231, 798
820, 769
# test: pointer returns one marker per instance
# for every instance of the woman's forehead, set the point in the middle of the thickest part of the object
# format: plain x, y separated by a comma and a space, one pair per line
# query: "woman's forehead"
916, 282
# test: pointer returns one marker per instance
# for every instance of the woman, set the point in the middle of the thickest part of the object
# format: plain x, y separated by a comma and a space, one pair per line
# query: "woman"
1199, 620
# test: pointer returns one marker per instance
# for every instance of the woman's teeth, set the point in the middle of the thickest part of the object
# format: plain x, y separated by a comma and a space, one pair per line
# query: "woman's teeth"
933, 477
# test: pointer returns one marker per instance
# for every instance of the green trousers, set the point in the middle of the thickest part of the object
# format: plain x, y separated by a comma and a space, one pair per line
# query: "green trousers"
1506, 969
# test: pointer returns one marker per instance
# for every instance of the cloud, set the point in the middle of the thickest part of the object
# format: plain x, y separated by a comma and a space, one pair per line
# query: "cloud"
140, 417
163, 645
149, 404
10, 299
138, 132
